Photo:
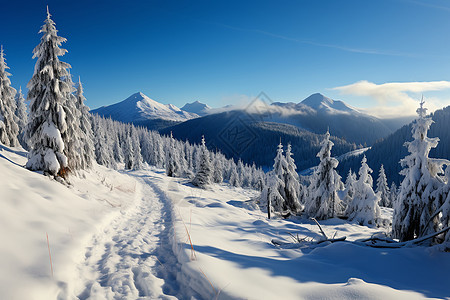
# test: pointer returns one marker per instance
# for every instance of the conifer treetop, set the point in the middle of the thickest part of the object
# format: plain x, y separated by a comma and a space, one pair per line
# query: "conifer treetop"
3, 65
422, 111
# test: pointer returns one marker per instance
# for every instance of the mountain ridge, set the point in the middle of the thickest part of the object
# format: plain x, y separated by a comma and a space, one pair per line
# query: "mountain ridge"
316, 113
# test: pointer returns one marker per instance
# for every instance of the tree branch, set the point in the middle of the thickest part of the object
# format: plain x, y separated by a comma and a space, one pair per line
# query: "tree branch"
320, 227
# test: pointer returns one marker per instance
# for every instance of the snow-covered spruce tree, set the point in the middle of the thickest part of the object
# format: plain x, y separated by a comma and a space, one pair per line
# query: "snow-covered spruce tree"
189, 150
102, 135
184, 166
323, 201
241, 172
226, 169
271, 198
254, 176
383, 189
364, 207
138, 162
273, 195
259, 180
146, 146
22, 116
72, 136
414, 207
117, 150
204, 173
292, 183
393, 194
217, 174
349, 188
172, 159
235, 179
47, 92
9, 130
87, 136
131, 149
128, 153
159, 153
262, 179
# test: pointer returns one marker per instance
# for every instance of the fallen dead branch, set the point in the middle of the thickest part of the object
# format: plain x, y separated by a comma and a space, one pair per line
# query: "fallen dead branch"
374, 241
320, 227
341, 239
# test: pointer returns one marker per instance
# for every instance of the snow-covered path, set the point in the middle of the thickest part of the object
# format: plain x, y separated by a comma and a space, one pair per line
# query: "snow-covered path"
132, 258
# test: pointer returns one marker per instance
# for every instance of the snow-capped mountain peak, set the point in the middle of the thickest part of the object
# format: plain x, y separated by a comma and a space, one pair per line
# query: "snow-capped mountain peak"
320, 102
140, 107
145, 103
197, 107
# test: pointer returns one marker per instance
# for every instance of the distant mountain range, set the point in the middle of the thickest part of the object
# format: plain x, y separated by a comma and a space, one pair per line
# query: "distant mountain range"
252, 133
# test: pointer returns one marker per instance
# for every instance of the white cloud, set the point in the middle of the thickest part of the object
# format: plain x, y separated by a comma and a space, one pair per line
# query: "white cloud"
394, 98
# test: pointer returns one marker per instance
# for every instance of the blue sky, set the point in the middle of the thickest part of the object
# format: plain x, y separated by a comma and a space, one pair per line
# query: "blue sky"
229, 51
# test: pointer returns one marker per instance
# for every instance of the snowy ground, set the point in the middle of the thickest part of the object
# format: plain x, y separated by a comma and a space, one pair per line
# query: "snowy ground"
128, 236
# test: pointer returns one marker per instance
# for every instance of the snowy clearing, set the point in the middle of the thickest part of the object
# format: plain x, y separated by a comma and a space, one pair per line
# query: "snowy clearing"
128, 236
235, 259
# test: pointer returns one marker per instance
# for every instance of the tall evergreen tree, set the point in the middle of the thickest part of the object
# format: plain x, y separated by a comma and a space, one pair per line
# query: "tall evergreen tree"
117, 150
383, 189
323, 201
414, 207
72, 137
217, 174
9, 130
103, 151
87, 136
22, 116
137, 156
128, 152
364, 207
349, 188
291, 183
393, 193
235, 179
172, 159
47, 94
273, 195
204, 173
241, 173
